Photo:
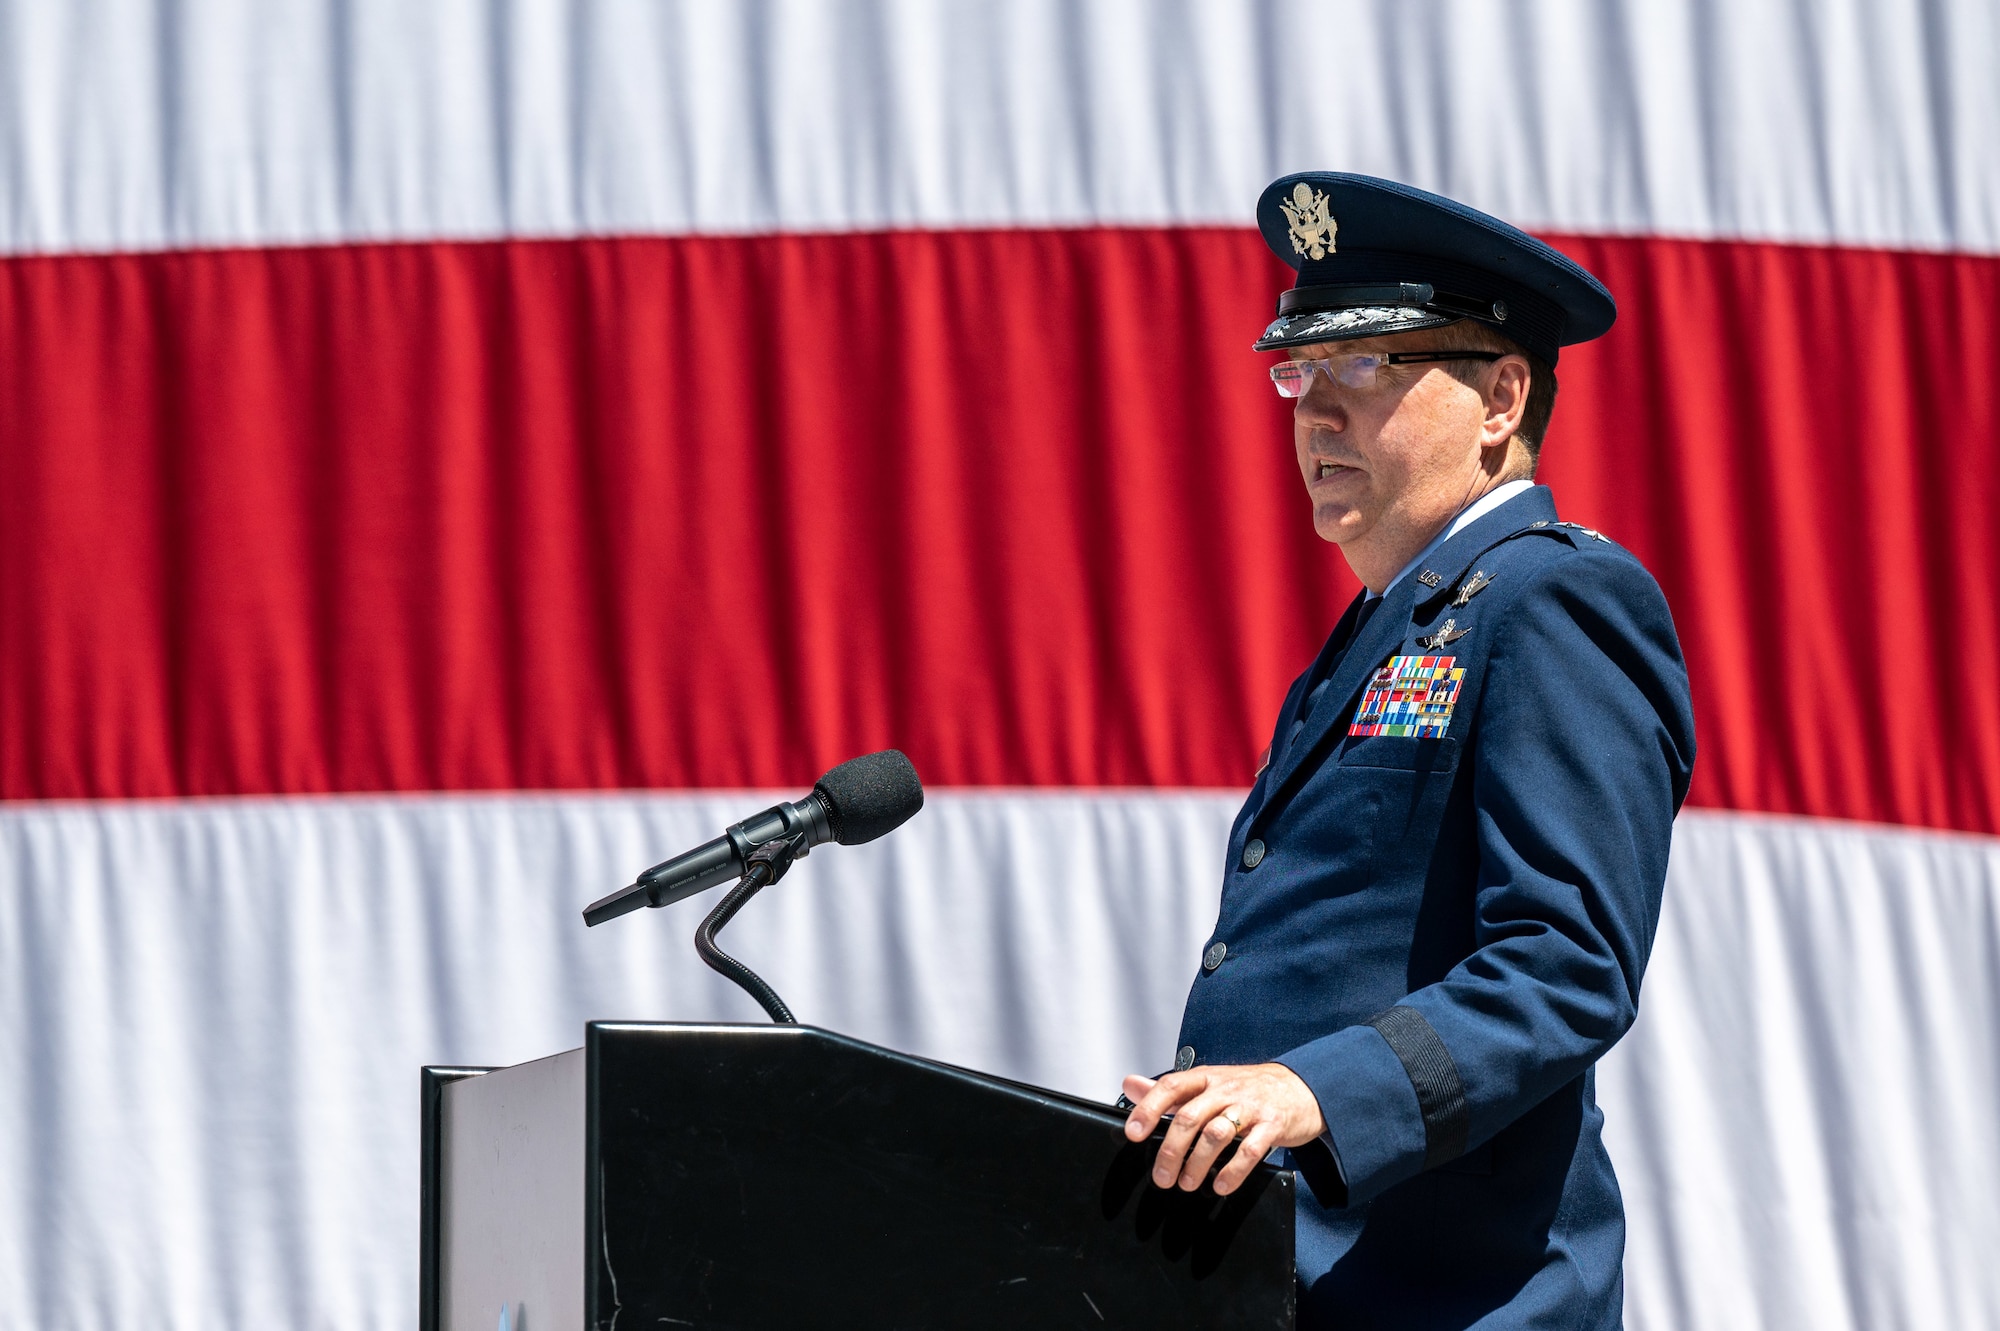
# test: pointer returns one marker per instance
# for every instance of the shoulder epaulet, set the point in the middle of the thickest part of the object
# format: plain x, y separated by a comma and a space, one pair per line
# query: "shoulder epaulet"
1549, 526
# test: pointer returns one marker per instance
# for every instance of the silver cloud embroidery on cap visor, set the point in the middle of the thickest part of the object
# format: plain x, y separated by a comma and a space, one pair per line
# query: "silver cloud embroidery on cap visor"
1346, 320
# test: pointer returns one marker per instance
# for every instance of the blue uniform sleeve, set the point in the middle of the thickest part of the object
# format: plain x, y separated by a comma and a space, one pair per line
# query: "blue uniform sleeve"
1581, 750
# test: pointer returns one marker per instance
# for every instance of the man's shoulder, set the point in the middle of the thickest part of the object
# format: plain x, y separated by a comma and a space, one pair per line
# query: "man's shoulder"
1569, 603
1575, 627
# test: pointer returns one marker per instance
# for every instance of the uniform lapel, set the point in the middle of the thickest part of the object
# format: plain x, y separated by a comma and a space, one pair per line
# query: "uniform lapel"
1450, 562
1383, 631
1302, 689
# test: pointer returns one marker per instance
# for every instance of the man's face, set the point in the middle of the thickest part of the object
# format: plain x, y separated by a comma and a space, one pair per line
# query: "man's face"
1394, 461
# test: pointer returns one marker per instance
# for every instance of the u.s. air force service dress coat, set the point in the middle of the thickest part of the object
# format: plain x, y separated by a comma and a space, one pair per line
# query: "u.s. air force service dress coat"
1439, 900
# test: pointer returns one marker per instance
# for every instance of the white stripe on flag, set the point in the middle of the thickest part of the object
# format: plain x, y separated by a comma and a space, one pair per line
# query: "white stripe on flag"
212, 1014
129, 124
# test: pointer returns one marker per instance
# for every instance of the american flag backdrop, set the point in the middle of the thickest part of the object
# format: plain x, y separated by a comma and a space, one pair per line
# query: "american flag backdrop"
453, 455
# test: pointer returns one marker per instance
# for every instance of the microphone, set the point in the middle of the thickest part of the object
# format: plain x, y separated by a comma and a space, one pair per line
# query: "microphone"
859, 800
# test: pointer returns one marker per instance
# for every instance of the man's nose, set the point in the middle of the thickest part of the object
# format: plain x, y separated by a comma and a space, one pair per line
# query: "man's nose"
1321, 405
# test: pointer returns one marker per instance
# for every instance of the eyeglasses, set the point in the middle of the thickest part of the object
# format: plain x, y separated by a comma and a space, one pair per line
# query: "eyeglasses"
1357, 369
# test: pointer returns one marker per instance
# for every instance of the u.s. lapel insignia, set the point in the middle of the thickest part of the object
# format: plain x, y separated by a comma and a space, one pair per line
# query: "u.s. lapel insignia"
1474, 585
1312, 225
1448, 633
1411, 696
1430, 579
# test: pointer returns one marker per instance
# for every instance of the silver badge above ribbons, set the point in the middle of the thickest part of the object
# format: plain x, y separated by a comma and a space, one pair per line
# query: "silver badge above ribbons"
1447, 634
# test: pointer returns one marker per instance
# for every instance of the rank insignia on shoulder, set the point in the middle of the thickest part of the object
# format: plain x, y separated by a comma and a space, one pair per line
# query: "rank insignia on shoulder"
1474, 585
1448, 633
1591, 532
1411, 696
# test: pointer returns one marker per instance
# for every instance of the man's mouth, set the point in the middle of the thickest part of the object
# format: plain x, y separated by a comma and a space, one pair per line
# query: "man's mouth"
1323, 469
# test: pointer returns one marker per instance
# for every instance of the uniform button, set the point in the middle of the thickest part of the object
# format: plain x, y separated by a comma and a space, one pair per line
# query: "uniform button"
1253, 853
1184, 1059
1213, 957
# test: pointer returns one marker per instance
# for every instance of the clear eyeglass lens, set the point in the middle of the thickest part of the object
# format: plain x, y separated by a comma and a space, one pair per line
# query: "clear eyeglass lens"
1294, 377
1356, 371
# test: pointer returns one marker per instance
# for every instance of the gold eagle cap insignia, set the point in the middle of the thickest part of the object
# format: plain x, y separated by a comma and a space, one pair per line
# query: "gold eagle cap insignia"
1313, 227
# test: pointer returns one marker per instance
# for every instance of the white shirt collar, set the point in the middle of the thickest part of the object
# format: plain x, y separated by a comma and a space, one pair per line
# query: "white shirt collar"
1478, 509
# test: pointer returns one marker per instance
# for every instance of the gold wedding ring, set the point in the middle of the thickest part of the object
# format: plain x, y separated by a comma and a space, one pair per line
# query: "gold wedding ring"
1234, 1121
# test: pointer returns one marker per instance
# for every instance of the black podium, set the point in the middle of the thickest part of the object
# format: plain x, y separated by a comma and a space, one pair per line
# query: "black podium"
752, 1177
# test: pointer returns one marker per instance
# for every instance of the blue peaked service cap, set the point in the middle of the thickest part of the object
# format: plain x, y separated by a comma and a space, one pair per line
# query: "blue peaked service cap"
1376, 257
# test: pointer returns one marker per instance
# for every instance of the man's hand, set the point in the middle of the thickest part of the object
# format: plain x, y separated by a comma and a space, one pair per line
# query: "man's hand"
1264, 1103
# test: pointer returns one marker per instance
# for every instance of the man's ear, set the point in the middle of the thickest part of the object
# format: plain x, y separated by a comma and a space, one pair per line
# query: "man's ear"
1506, 401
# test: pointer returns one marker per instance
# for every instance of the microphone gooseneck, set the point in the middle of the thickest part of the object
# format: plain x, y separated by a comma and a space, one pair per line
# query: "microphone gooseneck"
767, 865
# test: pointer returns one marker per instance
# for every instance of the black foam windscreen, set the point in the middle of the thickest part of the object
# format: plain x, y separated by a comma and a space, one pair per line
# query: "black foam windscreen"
869, 796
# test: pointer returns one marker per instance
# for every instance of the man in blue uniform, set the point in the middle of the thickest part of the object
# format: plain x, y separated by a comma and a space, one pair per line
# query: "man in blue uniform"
1441, 892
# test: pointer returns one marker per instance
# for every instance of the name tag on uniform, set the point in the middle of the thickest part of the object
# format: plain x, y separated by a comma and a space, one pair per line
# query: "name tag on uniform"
1410, 696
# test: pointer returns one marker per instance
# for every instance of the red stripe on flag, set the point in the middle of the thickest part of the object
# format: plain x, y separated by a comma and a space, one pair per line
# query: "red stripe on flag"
718, 512
1804, 446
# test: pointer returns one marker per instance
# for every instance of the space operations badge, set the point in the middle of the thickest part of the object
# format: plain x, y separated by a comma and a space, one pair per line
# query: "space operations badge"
1411, 696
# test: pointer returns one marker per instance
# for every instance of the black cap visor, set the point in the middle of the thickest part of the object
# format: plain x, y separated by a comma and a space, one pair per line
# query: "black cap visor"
1341, 312
1346, 323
